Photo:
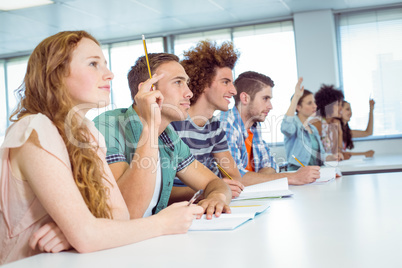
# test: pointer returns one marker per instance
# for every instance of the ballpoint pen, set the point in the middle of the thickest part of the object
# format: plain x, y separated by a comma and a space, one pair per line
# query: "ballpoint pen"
195, 196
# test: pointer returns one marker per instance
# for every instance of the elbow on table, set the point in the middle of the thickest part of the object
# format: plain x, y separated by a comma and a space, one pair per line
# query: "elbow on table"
85, 241
84, 249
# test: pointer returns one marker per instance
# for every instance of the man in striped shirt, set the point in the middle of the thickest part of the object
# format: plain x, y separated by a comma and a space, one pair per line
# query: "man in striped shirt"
211, 82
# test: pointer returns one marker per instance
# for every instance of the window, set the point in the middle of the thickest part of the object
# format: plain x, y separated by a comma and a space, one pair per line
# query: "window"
12, 74
371, 64
16, 70
3, 103
266, 48
270, 49
123, 56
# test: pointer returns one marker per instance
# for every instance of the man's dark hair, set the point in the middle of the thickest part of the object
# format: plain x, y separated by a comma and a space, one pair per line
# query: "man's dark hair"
251, 83
139, 71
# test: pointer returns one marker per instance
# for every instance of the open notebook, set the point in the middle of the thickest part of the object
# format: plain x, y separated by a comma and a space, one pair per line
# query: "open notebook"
275, 188
354, 160
327, 174
242, 212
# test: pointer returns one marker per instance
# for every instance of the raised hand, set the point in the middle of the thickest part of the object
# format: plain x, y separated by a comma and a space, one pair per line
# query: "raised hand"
371, 103
299, 89
149, 101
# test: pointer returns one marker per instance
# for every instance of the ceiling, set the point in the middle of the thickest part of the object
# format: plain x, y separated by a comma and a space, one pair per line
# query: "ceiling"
21, 30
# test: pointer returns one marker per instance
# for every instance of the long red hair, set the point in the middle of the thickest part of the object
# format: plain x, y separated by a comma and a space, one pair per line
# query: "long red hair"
44, 91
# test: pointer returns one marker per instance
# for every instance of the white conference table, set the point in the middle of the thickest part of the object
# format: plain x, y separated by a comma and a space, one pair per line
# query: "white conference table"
376, 164
353, 221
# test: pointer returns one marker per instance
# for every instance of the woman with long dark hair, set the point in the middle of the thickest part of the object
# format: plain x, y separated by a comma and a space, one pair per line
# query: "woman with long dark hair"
329, 107
348, 133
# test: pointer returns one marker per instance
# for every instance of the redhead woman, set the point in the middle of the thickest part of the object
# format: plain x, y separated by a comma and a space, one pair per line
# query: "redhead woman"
56, 190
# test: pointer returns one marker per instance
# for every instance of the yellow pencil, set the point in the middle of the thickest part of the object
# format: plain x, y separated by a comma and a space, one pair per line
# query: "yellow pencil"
146, 56
223, 171
298, 160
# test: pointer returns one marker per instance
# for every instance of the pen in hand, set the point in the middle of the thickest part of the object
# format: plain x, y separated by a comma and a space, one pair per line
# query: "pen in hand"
146, 57
298, 161
235, 184
195, 196
223, 171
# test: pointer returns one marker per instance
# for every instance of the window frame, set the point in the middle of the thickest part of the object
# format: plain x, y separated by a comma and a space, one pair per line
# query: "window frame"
338, 17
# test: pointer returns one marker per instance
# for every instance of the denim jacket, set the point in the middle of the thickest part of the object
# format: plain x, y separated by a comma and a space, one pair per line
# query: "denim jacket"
298, 141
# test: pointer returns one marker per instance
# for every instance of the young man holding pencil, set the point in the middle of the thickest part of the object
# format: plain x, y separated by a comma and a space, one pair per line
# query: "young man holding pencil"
242, 124
143, 154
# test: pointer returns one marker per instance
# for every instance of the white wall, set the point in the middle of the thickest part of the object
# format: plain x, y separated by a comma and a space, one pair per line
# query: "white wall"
316, 48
